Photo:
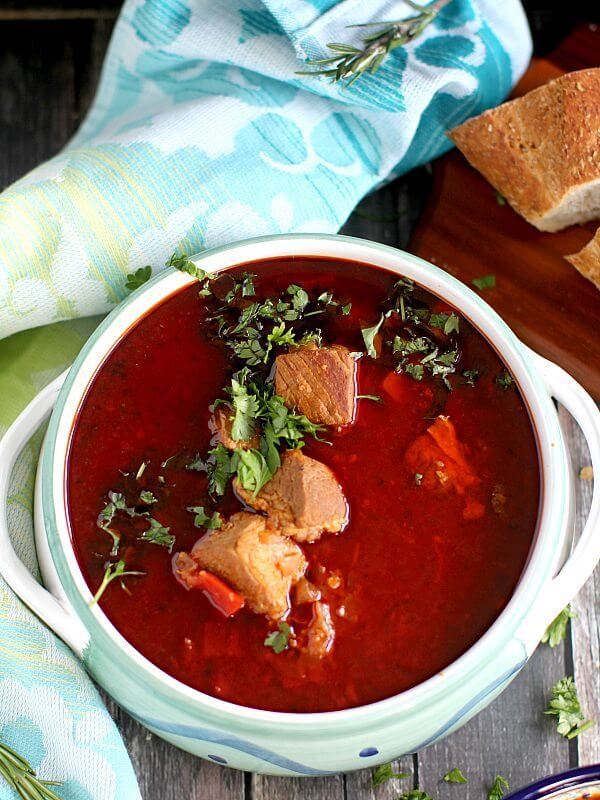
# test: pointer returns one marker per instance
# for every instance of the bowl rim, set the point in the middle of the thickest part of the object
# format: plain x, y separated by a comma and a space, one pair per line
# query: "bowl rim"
545, 552
567, 781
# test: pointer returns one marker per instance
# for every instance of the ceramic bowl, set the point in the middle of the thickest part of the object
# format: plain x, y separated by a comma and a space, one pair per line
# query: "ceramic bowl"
582, 783
321, 743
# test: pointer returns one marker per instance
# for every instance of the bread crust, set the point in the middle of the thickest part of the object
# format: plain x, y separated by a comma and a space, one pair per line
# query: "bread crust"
540, 148
587, 260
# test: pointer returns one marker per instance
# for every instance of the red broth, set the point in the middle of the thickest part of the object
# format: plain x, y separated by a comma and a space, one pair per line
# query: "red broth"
419, 583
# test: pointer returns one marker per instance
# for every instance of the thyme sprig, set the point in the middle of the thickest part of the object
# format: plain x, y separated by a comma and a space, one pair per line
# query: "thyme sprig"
348, 63
20, 776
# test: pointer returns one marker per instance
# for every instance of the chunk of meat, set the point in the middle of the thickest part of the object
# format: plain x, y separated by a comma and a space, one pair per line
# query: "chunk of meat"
439, 457
318, 382
222, 423
321, 632
218, 592
302, 499
306, 592
260, 563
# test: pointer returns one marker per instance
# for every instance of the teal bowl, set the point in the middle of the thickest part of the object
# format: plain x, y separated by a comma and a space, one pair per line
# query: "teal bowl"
330, 742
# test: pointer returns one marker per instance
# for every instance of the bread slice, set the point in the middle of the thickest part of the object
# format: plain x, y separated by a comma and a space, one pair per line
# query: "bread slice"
587, 260
542, 151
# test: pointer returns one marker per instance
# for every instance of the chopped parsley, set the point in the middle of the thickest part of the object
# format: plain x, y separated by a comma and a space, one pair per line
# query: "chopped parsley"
415, 371
418, 478
449, 323
498, 788
138, 278
564, 704
470, 376
484, 282
219, 467
112, 571
454, 776
279, 640
245, 408
184, 264
252, 470
557, 630
500, 199
158, 534
369, 335
504, 380
203, 520
415, 794
147, 498
375, 397
384, 773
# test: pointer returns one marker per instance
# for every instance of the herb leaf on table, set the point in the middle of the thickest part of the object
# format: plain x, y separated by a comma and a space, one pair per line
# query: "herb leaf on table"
498, 788
557, 630
564, 704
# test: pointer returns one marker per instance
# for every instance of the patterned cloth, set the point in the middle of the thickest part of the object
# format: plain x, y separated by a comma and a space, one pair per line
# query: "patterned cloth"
202, 132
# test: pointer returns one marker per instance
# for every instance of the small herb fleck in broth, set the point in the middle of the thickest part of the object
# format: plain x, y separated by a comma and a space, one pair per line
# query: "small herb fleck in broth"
203, 520
504, 380
279, 640
485, 282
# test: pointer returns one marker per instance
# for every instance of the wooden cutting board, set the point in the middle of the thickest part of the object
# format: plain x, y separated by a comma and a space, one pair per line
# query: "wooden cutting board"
466, 231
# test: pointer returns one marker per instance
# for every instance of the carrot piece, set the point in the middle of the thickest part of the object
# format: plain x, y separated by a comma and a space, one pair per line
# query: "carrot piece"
218, 592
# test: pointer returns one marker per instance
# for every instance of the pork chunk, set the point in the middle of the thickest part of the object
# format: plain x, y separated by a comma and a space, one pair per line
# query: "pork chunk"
222, 423
260, 563
303, 499
321, 632
318, 382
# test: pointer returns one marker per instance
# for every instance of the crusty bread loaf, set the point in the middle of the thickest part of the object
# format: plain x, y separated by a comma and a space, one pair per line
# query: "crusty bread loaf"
587, 260
542, 151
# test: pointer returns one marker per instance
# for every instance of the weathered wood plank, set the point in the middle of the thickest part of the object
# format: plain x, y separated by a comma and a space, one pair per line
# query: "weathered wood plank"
268, 787
512, 737
585, 629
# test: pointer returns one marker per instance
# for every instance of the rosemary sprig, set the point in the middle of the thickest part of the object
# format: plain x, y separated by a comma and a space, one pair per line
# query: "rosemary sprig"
20, 776
349, 62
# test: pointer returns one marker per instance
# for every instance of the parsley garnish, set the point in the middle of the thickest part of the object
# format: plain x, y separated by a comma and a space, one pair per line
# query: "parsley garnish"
158, 534
369, 335
557, 630
484, 282
384, 773
203, 520
449, 323
184, 264
500, 199
253, 471
375, 397
114, 570
147, 498
454, 776
470, 376
415, 371
346, 309
138, 278
245, 408
504, 381
415, 794
418, 478
499, 786
565, 705
219, 468
279, 640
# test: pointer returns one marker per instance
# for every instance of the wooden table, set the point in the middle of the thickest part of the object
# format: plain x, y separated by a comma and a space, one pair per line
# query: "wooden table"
50, 57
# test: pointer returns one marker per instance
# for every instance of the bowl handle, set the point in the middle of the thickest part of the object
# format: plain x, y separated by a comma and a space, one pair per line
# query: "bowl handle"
585, 555
60, 618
